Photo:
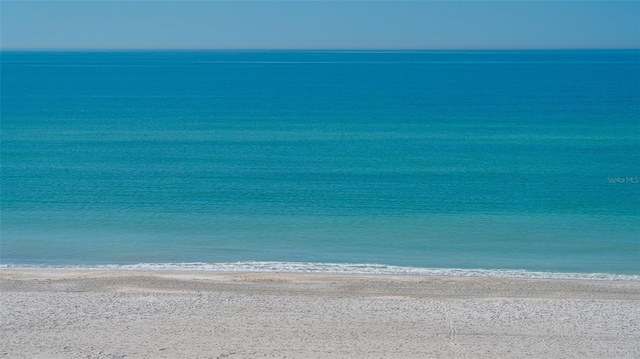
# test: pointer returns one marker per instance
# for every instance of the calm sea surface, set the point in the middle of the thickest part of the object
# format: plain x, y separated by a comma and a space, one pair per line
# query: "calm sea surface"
525, 160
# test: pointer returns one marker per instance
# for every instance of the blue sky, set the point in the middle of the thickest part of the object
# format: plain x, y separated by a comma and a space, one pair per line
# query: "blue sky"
304, 24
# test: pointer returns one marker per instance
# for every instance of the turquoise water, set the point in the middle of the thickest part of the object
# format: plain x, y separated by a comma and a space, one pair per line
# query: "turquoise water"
522, 160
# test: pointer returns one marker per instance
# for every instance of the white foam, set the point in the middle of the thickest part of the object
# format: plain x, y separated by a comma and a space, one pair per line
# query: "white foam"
343, 268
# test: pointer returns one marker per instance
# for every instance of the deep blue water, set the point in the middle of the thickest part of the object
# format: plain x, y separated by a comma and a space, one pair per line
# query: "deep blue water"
461, 159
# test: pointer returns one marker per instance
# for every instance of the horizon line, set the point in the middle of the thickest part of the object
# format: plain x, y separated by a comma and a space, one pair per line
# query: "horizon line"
97, 49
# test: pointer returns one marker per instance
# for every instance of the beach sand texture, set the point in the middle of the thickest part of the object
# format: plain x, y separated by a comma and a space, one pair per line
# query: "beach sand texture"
163, 314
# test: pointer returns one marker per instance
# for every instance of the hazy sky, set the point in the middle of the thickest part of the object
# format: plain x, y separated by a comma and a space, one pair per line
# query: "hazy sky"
304, 24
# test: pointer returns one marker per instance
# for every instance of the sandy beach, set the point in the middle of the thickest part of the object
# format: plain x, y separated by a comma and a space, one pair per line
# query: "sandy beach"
164, 314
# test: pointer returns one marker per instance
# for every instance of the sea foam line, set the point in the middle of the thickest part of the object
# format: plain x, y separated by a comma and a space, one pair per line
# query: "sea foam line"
334, 268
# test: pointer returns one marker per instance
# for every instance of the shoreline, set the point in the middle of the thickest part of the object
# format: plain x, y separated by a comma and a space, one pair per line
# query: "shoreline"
462, 275
58, 313
332, 268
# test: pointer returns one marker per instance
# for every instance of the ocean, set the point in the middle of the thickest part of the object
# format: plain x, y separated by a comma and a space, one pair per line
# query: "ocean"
492, 163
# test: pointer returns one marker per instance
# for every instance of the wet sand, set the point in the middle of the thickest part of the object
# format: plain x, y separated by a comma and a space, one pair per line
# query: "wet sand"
180, 314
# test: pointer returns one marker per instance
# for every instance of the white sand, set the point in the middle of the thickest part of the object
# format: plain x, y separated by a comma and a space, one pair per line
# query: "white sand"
126, 314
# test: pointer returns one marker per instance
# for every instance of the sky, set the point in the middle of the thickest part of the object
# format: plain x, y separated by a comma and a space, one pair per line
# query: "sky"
306, 24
